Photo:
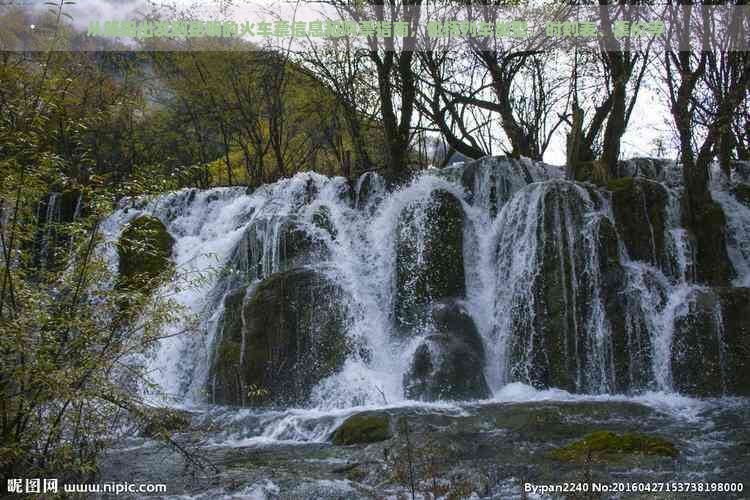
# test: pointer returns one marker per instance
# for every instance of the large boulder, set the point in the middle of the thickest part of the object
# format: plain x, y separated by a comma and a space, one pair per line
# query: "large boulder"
363, 428
551, 293
429, 257
144, 250
735, 315
279, 339
448, 365
639, 207
711, 344
629, 333
712, 263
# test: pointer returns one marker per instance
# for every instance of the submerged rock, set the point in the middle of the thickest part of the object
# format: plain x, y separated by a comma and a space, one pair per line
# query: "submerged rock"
363, 428
279, 339
144, 250
429, 257
448, 365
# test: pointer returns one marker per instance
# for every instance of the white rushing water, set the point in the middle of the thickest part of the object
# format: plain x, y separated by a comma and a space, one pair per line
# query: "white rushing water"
515, 214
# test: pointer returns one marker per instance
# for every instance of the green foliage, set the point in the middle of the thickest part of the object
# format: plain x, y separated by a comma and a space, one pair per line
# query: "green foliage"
69, 126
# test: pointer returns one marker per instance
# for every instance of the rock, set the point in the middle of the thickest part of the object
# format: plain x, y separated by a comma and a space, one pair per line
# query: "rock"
639, 207
279, 341
741, 171
742, 193
165, 421
631, 339
429, 257
655, 169
448, 365
605, 446
711, 344
144, 251
275, 245
322, 219
696, 358
363, 428
735, 314
370, 191
549, 345
713, 266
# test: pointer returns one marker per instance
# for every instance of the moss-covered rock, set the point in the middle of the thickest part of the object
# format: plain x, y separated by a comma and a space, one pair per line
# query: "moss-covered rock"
713, 266
697, 351
639, 209
630, 336
161, 421
711, 344
735, 315
144, 250
448, 365
280, 340
549, 346
605, 446
429, 257
363, 428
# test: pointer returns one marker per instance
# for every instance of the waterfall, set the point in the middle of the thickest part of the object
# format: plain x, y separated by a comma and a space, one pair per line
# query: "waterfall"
547, 278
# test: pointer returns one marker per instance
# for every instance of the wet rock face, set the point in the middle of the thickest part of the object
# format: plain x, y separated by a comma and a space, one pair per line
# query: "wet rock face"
144, 251
429, 258
735, 314
553, 306
697, 347
713, 266
639, 209
275, 245
711, 345
280, 340
448, 365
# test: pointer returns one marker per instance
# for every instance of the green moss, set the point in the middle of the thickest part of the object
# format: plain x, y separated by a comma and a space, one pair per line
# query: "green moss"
144, 250
361, 429
606, 446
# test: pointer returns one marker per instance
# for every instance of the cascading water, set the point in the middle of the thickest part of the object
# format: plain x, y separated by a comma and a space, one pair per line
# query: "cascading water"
550, 283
